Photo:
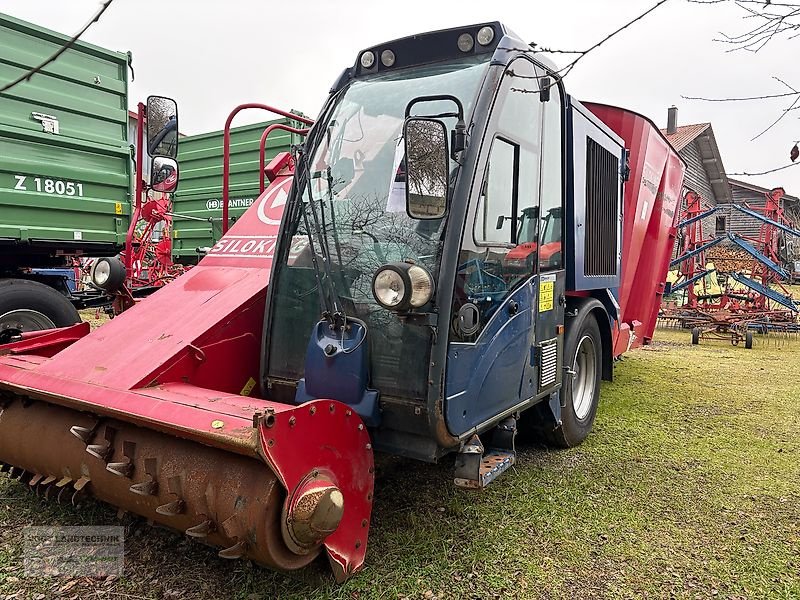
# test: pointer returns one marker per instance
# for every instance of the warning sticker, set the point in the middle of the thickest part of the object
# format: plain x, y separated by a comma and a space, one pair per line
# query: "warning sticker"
546, 295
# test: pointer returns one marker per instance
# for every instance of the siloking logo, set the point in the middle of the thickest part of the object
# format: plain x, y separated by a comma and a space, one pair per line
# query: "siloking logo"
262, 241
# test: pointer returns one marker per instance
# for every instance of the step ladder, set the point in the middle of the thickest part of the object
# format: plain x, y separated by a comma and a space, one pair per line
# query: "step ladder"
477, 467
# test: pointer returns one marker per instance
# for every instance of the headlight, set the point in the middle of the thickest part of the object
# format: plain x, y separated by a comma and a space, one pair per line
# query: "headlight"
389, 288
108, 274
465, 42
485, 36
101, 273
400, 286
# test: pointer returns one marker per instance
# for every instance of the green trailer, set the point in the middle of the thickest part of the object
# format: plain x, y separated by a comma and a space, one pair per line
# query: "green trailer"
65, 169
198, 202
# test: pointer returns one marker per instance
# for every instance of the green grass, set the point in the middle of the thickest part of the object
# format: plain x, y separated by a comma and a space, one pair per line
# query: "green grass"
689, 487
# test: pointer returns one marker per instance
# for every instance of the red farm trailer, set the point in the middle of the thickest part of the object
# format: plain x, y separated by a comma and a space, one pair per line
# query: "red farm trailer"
386, 292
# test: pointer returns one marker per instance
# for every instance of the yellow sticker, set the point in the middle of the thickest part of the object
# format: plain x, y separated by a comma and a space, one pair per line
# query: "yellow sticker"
175, 233
248, 387
546, 295
118, 208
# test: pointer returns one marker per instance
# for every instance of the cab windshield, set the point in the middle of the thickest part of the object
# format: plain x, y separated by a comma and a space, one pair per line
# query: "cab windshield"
361, 220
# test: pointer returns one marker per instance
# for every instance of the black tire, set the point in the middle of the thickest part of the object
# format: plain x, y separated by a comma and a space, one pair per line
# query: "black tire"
42, 305
582, 345
695, 336
748, 340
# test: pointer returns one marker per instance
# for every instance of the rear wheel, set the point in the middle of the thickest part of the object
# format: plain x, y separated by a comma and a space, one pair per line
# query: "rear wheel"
32, 306
748, 340
695, 336
580, 393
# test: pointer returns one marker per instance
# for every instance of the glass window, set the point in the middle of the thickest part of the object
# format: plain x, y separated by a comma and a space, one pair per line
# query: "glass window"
494, 217
550, 194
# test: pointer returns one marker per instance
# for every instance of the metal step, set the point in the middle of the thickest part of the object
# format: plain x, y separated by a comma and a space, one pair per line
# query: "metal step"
477, 467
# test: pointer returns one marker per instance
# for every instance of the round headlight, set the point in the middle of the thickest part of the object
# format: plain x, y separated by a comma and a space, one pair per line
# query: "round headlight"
101, 272
485, 36
389, 288
368, 59
108, 274
465, 42
421, 286
400, 286
387, 58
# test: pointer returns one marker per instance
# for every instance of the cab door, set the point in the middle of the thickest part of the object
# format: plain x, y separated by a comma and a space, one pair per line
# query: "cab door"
496, 296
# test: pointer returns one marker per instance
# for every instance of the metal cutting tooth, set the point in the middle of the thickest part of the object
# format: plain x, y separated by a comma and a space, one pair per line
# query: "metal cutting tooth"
80, 490
149, 487
124, 468
177, 506
202, 530
238, 550
84, 434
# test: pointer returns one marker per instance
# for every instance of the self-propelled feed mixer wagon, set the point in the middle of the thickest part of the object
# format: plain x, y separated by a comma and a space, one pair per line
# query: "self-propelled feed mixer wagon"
457, 248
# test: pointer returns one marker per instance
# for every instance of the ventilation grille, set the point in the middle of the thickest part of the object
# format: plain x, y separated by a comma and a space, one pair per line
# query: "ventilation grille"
548, 372
602, 220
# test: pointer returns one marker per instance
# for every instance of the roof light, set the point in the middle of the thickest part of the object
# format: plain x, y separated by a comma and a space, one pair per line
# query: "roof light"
368, 59
465, 42
387, 58
485, 36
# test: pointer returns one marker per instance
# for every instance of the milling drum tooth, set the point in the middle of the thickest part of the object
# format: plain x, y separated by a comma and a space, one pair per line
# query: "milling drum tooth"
122, 469
172, 509
145, 488
35, 480
84, 434
101, 451
150, 486
234, 552
202, 530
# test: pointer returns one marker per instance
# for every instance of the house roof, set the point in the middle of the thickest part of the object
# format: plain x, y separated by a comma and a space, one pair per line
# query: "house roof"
685, 135
761, 190
703, 134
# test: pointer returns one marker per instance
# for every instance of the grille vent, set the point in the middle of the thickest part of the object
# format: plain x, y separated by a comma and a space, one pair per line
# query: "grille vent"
602, 220
548, 370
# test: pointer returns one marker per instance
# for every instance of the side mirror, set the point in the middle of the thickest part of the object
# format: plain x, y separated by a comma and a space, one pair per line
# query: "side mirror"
162, 126
164, 174
427, 168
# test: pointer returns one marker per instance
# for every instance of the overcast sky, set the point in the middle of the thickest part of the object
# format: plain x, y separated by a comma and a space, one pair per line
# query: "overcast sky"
211, 56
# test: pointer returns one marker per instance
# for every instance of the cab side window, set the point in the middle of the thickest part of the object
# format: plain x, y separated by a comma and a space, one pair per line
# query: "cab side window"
493, 218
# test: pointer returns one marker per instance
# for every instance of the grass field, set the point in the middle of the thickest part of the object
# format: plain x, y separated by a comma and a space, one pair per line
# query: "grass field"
689, 487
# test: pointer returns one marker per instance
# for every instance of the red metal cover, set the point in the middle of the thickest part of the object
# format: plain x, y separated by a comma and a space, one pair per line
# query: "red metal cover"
650, 208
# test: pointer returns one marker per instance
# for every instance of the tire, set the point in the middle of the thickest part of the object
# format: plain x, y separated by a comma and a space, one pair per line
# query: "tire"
695, 336
748, 340
32, 306
580, 394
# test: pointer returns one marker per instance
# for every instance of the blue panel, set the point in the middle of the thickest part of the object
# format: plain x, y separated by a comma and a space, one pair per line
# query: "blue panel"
67, 274
765, 291
483, 378
765, 260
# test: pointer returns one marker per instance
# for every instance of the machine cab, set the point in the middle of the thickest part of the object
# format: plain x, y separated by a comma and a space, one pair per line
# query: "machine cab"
423, 246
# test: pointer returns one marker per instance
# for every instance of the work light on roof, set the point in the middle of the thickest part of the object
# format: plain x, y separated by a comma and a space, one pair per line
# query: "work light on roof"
387, 58
485, 36
465, 42
368, 59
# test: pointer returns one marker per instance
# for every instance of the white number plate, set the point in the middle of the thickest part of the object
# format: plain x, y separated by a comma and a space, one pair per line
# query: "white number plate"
57, 187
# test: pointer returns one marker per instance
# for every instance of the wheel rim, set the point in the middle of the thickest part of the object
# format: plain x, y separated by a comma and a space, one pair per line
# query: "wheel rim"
584, 379
15, 322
